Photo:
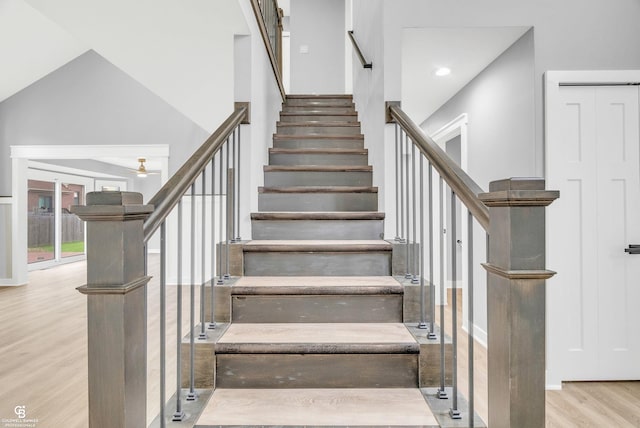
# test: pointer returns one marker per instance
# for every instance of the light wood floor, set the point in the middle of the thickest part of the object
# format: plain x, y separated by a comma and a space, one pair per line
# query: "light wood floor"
43, 360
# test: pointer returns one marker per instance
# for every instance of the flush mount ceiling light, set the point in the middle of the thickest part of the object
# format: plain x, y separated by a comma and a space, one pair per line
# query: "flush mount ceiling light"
442, 71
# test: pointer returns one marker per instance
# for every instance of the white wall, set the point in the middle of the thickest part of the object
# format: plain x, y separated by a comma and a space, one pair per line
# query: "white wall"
181, 51
599, 36
320, 27
568, 35
368, 95
24, 29
256, 81
500, 126
91, 102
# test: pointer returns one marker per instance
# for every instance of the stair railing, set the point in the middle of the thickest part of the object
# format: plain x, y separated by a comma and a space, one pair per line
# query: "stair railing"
269, 17
119, 227
356, 47
512, 215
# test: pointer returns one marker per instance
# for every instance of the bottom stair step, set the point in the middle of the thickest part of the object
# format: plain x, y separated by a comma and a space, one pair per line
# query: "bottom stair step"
329, 355
317, 407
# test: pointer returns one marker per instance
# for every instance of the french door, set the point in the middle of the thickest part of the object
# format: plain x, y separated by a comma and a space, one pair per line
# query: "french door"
54, 234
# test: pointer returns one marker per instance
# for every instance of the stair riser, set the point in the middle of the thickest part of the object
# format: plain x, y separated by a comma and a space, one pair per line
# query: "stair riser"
317, 229
302, 118
317, 159
317, 264
310, 102
318, 130
317, 178
317, 370
315, 309
305, 202
318, 109
318, 143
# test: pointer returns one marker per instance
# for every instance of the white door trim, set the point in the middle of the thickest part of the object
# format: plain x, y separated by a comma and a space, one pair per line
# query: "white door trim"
457, 126
553, 80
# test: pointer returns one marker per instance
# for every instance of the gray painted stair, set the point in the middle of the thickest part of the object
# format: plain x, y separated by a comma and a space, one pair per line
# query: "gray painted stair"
320, 102
318, 156
317, 258
315, 109
318, 116
316, 300
318, 198
318, 141
317, 225
317, 175
318, 128
317, 355
317, 314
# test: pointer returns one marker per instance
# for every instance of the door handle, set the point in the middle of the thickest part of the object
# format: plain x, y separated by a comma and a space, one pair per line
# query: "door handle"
633, 249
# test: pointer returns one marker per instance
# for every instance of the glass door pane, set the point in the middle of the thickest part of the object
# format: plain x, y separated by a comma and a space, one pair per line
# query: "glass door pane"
41, 220
71, 227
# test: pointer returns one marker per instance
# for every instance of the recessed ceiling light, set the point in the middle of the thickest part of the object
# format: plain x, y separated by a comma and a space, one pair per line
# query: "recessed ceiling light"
442, 71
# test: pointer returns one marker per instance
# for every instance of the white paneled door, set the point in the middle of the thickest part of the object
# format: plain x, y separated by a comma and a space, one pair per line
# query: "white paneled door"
593, 158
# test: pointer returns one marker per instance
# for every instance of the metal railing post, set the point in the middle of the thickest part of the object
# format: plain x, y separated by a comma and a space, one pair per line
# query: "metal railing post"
203, 334
470, 344
454, 412
212, 324
415, 252
432, 286
191, 396
423, 322
397, 172
442, 393
178, 415
163, 321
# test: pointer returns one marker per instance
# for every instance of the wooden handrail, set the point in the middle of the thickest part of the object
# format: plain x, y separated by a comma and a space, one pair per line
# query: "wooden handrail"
273, 56
459, 181
169, 195
364, 62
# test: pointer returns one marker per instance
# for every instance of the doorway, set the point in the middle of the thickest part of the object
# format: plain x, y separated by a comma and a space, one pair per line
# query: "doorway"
593, 159
54, 234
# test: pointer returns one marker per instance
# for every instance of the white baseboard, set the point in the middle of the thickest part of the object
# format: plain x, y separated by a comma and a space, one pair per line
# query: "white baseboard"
10, 282
479, 334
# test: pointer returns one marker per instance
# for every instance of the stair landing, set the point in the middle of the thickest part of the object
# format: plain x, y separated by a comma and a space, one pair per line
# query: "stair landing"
317, 407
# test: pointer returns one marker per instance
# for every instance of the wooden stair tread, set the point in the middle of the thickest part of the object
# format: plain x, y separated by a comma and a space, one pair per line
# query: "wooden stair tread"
319, 245
313, 285
318, 137
311, 338
318, 124
319, 151
316, 113
318, 407
319, 168
319, 215
319, 96
319, 189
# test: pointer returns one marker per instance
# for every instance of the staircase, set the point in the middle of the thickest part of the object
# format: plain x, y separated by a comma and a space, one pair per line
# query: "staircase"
316, 333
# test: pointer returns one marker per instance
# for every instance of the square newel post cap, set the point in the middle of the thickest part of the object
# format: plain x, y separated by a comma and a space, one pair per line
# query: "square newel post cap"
115, 240
519, 191
113, 206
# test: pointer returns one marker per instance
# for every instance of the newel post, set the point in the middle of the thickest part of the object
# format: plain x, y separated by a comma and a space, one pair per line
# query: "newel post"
516, 301
116, 312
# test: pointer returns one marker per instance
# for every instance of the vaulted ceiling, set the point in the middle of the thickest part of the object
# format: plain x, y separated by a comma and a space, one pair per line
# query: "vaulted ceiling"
172, 47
